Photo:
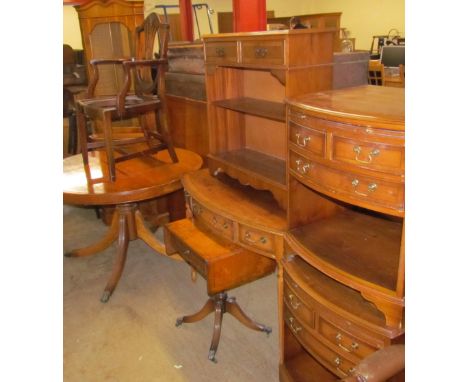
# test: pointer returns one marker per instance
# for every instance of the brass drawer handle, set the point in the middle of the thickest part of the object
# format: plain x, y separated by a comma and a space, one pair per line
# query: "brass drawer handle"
261, 52
248, 238
294, 328
293, 302
354, 345
214, 221
302, 141
372, 187
196, 209
372, 154
301, 167
220, 52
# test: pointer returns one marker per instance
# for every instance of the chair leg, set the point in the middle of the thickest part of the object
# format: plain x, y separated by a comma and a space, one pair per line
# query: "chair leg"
107, 129
161, 121
83, 135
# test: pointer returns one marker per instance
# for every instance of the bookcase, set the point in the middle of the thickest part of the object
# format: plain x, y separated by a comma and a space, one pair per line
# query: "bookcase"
343, 269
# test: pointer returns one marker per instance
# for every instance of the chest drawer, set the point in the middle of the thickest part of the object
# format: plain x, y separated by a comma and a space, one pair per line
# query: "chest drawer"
221, 52
357, 188
212, 221
309, 139
298, 307
348, 339
336, 363
371, 155
263, 52
257, 239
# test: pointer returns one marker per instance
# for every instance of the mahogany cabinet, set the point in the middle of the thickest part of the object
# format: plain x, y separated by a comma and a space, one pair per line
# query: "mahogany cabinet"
343, 269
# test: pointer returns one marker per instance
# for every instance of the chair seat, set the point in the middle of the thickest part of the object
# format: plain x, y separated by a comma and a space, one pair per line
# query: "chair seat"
134, 105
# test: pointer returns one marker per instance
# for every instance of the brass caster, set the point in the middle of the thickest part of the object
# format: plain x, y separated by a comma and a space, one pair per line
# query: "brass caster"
179, 321
211, 356
105, 296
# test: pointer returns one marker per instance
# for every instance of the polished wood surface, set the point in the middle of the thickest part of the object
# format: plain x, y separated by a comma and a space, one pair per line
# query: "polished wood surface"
139, 179
224, 265
248, 75
343, 267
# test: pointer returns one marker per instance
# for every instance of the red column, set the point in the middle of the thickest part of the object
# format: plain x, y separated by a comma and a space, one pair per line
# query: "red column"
249, 15
186, 19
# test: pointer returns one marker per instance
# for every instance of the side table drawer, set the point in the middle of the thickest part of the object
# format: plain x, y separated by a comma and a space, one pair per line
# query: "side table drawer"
212, 221
221, 53
267, 52
257, 239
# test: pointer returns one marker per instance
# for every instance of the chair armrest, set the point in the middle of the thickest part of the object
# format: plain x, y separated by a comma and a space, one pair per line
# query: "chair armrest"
95, 71
379, 366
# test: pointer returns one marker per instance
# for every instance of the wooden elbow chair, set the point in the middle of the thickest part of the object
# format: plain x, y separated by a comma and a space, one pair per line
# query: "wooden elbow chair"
141, 103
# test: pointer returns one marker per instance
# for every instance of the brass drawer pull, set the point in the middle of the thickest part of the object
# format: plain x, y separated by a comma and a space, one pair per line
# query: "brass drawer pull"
294, 327
214, 221
293, 302
354, 345
301, 167
220, 52
261, 52
248, 238
372, 187
302, 141
196, 209
357, 149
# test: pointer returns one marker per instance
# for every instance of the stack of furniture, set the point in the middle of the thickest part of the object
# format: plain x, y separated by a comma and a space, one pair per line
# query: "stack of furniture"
317, 185
343, 284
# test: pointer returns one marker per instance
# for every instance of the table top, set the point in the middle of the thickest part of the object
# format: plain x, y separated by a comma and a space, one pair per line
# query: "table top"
137, 179
379, 106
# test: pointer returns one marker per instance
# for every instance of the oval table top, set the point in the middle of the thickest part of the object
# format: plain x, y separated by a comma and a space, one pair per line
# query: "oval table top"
137, 179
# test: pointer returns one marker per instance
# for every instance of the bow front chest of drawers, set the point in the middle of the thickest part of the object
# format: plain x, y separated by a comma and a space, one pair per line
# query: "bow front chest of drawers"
343, 269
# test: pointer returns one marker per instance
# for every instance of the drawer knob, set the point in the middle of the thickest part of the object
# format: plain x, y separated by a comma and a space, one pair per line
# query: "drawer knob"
196, 209
301, 167
337, 361
248, 238
302, 141
294, 328
220, 52
372, 154
261, 52
293, 302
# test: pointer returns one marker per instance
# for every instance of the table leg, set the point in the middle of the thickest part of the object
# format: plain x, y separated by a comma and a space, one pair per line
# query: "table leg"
121, 256
111, 235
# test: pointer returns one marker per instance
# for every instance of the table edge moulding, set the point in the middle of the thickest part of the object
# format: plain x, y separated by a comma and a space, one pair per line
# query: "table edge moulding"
342, 272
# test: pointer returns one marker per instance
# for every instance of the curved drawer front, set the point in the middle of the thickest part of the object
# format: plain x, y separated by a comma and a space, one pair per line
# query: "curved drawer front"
357, 188
213, 222
312, 140
336, 363
258, 239
360, 345
298, 307
221, 53
263, 52
372, 155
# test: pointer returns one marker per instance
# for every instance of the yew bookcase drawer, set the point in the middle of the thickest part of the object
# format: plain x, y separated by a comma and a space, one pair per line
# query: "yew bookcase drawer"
347, 185
263, 52
308, 139
298, 308
333, 361
344, 340
212, 221
221, 53
257, 239
371, 155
